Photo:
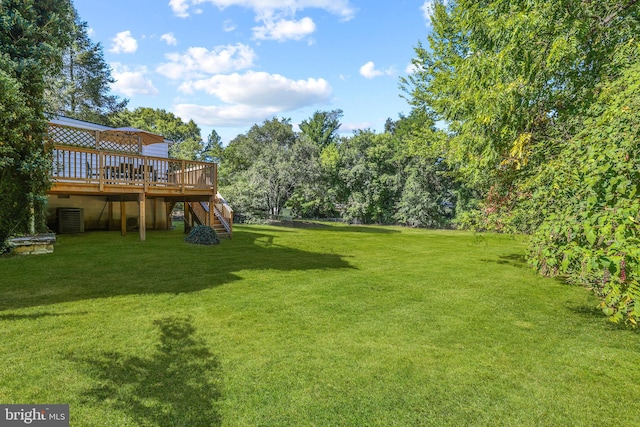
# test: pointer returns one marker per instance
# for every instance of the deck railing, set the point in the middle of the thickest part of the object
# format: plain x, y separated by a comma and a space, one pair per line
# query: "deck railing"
85, 166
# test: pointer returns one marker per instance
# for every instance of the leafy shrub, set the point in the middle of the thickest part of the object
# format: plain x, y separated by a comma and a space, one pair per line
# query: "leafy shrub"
202, 235
592, 232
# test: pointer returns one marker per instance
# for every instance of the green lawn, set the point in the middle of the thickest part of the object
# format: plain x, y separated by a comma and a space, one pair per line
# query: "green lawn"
327, 326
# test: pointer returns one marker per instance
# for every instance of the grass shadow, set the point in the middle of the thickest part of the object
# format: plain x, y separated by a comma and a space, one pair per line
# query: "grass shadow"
590, 312
514, 260
593, 313
103, 265
34, 316
326, 226
179, 385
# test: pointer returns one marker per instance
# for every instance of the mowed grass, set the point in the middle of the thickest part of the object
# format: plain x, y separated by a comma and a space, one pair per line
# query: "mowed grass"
327, 326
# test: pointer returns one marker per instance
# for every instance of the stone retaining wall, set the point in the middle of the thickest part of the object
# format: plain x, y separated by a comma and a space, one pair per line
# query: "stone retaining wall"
33, 245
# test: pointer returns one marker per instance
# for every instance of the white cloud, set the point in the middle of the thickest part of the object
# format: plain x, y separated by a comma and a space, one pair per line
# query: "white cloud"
265, 8
350, 127
285, 29
228, 26
411, 68
197, 61
180, 7
123, 42
251, 97
169, 38
223, 116
369, 71
132, 82
263, 90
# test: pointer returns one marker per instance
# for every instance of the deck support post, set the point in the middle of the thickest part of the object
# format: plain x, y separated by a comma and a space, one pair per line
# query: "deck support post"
212, 207
187, 217
110, 219
155, 214
123, 218
142, 219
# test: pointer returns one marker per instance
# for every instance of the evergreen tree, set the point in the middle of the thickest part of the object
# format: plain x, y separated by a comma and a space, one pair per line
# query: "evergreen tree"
81, 89
32, 36
213, 150
322, 127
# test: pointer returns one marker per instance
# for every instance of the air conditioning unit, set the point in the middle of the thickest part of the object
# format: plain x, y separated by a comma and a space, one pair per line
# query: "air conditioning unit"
70, 220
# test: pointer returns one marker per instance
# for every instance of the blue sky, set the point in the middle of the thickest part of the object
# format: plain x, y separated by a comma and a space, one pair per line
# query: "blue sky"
229, 64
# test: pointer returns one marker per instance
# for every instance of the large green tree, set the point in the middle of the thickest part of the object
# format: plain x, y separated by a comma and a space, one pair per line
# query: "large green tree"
314, 196
213, 151
81, 89
503, 75
32, 37
263, 167
429, 191
322, 127
370, 182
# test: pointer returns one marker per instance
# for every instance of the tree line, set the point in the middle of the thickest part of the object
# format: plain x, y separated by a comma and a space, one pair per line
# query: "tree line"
367, 177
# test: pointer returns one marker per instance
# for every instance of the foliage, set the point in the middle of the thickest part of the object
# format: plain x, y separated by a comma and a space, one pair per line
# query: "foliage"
32, 34
504, 75
428, 197
367, 178
14, 117
202, 235
187, 141
263, 167
430, 192
81, 89
314, 196
369, 169
591, 231
322, 127
212, 152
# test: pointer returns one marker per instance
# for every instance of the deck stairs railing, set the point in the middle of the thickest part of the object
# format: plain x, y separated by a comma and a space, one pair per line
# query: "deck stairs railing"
200, 214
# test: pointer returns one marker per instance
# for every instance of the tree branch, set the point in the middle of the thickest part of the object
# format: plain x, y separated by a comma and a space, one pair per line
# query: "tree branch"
622, 8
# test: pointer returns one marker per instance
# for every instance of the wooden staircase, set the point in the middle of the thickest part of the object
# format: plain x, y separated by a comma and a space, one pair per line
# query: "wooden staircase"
200, 214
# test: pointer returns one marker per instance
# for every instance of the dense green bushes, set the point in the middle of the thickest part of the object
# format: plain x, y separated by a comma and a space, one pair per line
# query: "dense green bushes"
592, 230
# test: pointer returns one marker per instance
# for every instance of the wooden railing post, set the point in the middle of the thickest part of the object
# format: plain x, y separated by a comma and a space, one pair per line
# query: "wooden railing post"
145, 172
101, 164
184, 175
215, 178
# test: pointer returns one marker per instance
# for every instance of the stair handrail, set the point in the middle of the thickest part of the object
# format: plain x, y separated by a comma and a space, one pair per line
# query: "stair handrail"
222, 220
221, 215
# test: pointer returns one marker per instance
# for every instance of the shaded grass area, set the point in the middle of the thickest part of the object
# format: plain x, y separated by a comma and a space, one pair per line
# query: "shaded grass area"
333, 325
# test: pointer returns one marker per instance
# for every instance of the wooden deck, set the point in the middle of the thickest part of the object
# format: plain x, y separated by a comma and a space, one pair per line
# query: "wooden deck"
92, 172
133, 177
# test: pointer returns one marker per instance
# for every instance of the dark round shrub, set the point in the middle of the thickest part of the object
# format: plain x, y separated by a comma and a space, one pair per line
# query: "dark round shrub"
202, 235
